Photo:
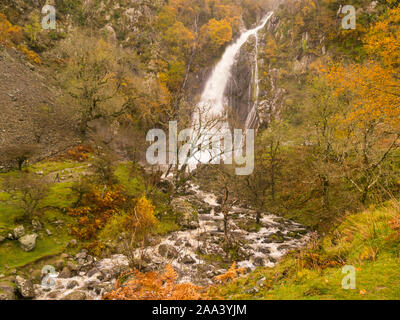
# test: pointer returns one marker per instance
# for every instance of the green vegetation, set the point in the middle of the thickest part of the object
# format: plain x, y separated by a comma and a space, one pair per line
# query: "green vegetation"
368, 240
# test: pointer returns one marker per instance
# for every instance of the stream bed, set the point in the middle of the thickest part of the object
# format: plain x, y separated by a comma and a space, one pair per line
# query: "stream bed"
197, 254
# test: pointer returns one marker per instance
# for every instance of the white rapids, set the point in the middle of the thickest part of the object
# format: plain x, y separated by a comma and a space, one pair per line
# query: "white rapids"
198, 254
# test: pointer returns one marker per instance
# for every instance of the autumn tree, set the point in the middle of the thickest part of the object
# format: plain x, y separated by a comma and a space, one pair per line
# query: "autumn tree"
28, 190
136, 223
372, 87
94, 76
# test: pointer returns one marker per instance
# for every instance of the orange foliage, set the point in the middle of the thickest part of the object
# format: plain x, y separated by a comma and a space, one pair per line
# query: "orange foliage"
231, 274
163, 286
375, 84
79, 153
98, 207
10, 34
31, 55
156, 286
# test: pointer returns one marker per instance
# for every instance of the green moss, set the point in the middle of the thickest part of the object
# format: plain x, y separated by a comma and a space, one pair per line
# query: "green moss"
133, 183
166, 226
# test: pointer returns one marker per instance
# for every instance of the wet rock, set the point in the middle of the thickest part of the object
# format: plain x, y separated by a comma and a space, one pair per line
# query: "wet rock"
167, 251
265, 250
59, 264
92, 272
53, 295
65, 273
18, 232
75, 295
72, 284
259, 261
188, 260
72, 266
81, 255
28, 242
7, 291
188, 216
25, 287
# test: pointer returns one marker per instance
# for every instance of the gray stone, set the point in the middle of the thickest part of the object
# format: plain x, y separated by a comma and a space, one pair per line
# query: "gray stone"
167, 251
72, 284
75, 295
72, 244
7, 291
25, 287
81, 255
18, 232
188, 216
72, 266
36, 225
188, 260
28, 242
65, 273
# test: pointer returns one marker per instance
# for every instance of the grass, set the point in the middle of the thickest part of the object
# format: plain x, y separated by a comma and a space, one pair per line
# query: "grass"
133, 183
50, 208
364, 240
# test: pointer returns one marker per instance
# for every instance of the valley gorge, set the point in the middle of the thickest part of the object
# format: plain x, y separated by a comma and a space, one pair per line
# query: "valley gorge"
84, 214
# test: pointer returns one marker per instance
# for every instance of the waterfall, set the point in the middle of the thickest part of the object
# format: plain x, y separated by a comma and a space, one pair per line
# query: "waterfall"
214, 92
212, 102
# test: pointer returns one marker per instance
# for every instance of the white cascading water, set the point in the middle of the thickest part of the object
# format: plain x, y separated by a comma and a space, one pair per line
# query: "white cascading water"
212, 101
214, 92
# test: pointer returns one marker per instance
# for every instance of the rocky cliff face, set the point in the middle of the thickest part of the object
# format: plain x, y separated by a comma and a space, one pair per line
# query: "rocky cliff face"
241, 91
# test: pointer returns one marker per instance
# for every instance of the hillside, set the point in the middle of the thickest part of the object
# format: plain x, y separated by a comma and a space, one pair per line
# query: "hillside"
94, 206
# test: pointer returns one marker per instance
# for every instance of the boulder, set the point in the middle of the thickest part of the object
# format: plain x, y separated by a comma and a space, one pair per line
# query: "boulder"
36, 225
75, 295
72, 284
7, 291
188, 260
25, 287
28, 242
167, 251
18, 232
188, 216
2, 239
65, 273
72, 244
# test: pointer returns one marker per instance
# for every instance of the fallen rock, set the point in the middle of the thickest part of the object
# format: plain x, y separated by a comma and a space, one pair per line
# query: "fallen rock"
188, 216
72, 244
188, 260
18, 232
72, 284
7, 291
36, 225
167, 251
28, 242
25, 287
65, 273
75, 295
